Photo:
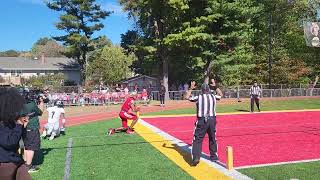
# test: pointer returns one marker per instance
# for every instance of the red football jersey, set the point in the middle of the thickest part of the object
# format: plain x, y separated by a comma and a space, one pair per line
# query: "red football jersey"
127, 104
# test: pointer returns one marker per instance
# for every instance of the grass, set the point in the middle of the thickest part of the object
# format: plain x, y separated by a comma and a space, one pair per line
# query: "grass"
308, 171
106, 157
95, 156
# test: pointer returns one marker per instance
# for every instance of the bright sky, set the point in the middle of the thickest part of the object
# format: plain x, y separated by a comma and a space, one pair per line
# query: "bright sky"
23, 22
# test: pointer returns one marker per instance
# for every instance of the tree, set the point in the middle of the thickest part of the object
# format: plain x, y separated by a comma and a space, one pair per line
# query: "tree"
155, 20
47, 47
217, 36
10, 53
110, 64
79, 19
53, 80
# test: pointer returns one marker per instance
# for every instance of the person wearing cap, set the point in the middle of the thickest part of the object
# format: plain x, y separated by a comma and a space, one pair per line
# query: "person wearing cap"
13, 120
31, 136
205, 123
255, 94
128, 111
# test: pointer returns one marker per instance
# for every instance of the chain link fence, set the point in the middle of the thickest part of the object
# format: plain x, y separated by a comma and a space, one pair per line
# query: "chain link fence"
245, 93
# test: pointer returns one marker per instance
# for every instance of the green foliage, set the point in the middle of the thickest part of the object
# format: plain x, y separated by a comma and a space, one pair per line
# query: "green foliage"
42, 81
80, 20
110, 64
225, 39
10, 53
47, 47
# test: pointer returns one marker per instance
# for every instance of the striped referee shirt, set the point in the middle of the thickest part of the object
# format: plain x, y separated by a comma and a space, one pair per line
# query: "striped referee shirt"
206, 104
255, 90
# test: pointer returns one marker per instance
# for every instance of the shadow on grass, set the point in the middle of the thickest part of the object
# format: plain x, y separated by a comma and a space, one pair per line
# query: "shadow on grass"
186, 156
40, 155
242, 110
185, 152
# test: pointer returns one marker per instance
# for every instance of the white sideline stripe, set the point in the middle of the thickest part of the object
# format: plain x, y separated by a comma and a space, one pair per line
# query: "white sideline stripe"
233, 173
235, 113
275, 164
67, 167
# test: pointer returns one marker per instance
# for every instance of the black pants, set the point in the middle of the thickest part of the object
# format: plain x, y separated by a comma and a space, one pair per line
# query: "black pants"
203, 126
254, 98
161, 99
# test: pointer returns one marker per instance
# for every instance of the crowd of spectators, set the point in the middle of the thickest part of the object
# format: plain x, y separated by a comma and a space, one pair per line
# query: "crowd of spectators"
101, 96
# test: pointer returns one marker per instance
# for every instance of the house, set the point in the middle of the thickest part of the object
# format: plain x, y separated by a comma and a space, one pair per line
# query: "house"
142, 81
14, 69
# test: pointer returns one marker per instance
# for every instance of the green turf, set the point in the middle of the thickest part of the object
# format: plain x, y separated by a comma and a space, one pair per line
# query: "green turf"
266, 105
309, 171
106, 157
130, 157
51, 160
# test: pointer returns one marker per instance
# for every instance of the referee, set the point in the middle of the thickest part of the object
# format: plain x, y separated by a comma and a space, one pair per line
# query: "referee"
206, 122
255, 94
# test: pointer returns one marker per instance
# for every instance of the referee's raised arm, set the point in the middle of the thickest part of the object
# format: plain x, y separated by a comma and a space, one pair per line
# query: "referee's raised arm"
189, 92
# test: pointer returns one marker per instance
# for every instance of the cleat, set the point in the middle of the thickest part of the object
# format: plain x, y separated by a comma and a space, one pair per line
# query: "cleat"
51, 138
32, 168
130, 131
111, 131
121, 129
63, 133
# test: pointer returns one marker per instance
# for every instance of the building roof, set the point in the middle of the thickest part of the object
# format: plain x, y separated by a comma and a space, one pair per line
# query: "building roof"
50, 63
137, 77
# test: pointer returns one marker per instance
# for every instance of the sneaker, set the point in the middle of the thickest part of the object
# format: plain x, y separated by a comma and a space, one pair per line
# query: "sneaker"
214, 158
63, 132
130, 131
32, 168
43, 136
51, 138
195, 162
111, 131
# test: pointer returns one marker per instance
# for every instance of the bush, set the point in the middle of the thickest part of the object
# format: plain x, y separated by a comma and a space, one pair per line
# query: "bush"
43, 81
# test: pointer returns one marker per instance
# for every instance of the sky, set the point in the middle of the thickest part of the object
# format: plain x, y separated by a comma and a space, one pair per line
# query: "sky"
23, 22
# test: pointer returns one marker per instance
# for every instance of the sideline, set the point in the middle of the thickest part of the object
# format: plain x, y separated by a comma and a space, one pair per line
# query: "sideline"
179, 153
67, 168
232, 113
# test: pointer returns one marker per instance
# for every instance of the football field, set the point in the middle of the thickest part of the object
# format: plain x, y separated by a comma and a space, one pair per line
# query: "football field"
267, 145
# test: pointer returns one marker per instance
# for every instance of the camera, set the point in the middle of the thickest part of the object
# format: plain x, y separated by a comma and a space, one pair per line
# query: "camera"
35, 95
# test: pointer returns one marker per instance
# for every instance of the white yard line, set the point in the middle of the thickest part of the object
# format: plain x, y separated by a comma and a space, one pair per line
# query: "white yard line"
67, 168
276, 164
233, 173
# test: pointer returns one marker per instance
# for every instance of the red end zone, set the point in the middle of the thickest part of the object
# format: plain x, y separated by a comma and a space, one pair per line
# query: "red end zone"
256, 139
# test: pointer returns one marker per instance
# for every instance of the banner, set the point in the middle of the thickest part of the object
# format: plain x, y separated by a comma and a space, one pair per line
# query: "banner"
312, 33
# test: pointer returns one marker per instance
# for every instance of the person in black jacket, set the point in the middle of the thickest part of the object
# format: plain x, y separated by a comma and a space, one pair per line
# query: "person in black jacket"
13, 120
162, 92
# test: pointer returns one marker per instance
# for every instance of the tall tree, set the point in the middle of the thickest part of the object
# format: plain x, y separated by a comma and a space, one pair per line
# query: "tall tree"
79, 19
217, 36
110, 64
47, 47
10, 53
156, 19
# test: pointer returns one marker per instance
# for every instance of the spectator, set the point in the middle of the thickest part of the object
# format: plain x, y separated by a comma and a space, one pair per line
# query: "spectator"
162, 92
31, 137
73, 97
126, 92
150, 95
12, 121
185, 87
136, 88
117, 88
144, 96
